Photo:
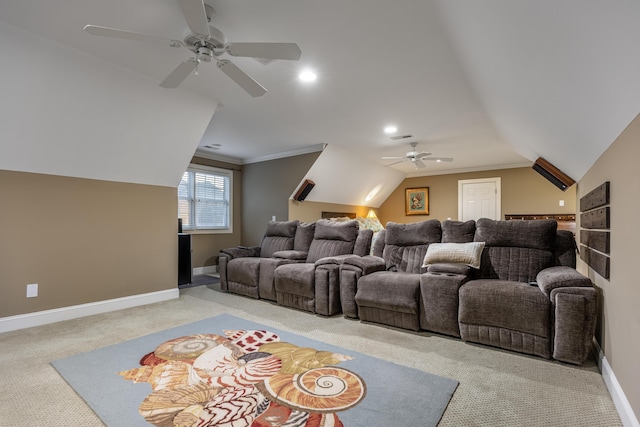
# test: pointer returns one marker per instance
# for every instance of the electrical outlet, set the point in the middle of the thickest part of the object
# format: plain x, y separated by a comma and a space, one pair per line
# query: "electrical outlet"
561, 203
32, 290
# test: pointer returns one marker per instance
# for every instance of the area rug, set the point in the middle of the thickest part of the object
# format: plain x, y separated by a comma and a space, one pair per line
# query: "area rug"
227, 371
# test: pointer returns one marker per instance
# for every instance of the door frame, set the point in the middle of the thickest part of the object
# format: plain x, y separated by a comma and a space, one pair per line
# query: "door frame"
496, 180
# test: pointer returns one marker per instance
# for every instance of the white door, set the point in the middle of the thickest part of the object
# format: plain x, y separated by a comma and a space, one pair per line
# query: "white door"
479, 198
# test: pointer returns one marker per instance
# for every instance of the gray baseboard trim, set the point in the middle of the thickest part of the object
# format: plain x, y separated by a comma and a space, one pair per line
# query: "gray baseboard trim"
38, 318
620, 400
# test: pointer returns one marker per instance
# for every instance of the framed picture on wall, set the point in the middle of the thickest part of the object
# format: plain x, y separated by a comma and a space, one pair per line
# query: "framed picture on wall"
416, 201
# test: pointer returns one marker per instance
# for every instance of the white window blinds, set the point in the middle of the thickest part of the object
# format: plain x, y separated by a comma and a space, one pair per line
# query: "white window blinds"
204, 200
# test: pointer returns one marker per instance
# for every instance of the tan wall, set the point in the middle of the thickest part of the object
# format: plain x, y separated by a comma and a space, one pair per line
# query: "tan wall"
206, 247
312, 211
83, 240
618, 330
524, 191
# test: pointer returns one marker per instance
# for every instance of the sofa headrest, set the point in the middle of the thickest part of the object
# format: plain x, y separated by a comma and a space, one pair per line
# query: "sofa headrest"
458, 231
281, 228
304, 236
331, 230
536, 234
417, 233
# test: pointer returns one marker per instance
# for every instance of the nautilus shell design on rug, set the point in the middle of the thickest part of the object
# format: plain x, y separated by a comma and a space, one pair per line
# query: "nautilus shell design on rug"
244, 378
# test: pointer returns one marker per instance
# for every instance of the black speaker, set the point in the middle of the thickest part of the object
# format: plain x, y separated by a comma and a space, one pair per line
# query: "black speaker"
304, 190
553, 174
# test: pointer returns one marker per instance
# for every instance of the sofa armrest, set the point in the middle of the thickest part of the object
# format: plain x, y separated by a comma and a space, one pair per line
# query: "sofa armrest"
327, 286
296, 256
222, 270
336, 259
241, 252
561, 277
351, 270
449, 268
366, 264
575, 322
439, 293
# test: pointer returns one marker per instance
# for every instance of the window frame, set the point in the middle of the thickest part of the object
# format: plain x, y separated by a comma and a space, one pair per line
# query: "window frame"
210, 170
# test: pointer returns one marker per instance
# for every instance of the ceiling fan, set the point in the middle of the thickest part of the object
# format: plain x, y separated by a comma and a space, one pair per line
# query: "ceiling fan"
208, 43
416, 157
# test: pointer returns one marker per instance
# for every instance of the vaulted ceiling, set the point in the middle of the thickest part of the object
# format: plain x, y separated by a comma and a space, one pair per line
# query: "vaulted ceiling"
491, 83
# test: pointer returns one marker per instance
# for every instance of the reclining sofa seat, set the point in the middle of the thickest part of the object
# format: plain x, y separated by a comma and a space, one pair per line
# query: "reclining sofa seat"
314, 284
527, 296
249, 271
387, 289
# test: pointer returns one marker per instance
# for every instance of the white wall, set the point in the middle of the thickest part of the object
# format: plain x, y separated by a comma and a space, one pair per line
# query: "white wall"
344, 177
63, 112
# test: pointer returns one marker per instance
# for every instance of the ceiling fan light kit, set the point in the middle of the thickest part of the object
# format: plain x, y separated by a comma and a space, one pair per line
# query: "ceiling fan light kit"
207, 42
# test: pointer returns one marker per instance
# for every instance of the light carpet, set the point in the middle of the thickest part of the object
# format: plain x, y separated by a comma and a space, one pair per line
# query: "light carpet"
497, 388
313, 387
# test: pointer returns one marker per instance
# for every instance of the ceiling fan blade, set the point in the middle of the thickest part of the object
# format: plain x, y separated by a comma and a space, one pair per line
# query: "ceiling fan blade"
196, 16
243, 80
129, 35
422, 154
439, 159
419, 164
180, 73
393, 158
288, 51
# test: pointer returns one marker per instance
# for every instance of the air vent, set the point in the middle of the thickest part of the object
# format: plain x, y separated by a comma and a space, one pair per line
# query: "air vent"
397, 137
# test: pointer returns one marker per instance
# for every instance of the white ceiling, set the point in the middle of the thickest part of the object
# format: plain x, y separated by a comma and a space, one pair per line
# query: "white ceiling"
492, 83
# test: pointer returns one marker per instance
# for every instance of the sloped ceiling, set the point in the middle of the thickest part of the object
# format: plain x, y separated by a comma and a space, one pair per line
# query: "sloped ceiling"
557, 79
369, 184
67, 113
492, 83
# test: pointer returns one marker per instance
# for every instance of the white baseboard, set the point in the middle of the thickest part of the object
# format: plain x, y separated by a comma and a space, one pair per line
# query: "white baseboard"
38, 318
625, 411
205, 270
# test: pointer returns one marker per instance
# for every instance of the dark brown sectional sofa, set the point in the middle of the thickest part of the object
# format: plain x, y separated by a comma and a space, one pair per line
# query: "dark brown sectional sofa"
297, 264
508, 284
525, 295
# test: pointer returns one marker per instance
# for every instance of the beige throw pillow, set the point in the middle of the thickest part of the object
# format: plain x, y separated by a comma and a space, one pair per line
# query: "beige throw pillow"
456, 253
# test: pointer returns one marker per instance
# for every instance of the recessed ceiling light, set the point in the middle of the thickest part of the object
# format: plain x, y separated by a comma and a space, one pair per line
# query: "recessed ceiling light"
307, 76
390, 129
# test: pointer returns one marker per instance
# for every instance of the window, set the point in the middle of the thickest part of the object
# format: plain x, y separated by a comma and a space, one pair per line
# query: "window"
204, 199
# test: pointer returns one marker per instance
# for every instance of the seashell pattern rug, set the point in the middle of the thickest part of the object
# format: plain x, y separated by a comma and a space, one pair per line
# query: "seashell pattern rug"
227, 371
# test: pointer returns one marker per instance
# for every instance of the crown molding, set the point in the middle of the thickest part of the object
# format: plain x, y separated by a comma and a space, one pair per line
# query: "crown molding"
473, 169
236, 161
212, 156
304, 150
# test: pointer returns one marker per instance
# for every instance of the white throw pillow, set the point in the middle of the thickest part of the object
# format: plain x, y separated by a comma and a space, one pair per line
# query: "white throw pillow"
455, 253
